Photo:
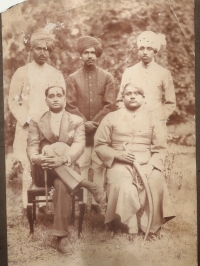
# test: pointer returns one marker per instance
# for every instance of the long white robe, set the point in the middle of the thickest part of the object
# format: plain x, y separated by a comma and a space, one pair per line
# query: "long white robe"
147, 139
27, 101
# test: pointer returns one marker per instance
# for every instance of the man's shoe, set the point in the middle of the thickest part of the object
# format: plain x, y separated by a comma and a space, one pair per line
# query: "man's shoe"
64, 246
97, 193
155, 236
95, 208
100, 197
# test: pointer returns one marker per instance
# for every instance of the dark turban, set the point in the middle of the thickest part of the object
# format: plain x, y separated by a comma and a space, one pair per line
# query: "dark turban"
86, 42
43, 35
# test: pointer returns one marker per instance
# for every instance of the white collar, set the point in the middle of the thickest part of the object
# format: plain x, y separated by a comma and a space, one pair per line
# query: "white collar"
152, 63
140, 110
36, 65
57, 116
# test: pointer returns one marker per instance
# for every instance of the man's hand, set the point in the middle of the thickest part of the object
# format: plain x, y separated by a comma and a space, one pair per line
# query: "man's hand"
49, 162
125, 156
147, 169
37, 159
91, 126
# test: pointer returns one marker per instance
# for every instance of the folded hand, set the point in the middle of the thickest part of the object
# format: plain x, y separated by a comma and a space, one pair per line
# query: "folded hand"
125, 156
90, 126
49, 162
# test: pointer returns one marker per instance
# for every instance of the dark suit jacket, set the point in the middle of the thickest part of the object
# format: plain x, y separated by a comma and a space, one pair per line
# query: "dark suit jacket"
40, 134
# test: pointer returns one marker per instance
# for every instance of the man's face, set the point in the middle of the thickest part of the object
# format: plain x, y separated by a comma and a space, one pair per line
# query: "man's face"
146, 54
89, 57
132, 99
40, 52
56, 100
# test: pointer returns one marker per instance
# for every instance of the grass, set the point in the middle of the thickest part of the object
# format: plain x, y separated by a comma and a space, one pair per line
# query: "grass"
177, 246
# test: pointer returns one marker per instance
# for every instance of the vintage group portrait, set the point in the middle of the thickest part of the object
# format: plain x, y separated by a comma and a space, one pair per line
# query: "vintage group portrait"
99, 130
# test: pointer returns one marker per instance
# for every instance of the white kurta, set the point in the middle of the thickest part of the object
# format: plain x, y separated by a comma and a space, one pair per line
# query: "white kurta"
146, 137
27, 101
157, 83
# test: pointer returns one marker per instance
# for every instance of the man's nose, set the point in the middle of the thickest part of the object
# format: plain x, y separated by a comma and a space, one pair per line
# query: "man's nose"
43, 51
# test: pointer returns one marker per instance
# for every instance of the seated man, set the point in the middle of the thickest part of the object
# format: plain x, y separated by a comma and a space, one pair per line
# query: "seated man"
55, 141
125, 136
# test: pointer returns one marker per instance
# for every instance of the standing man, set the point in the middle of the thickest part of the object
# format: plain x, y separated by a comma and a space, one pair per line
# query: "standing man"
90, 95
155, 80
27, 98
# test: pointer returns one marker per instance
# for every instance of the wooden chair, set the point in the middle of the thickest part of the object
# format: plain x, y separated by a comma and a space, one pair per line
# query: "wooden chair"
34, 191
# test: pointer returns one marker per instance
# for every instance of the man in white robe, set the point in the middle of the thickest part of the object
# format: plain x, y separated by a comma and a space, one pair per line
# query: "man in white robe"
127, 135
27, 97
155, 80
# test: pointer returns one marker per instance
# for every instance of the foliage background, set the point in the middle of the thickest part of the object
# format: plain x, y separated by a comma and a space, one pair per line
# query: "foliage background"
117, 23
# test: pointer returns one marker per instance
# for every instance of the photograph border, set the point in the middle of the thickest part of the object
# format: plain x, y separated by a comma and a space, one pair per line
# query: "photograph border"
3, 224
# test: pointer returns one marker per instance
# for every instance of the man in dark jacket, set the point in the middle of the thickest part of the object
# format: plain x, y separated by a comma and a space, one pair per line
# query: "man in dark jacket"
90, 95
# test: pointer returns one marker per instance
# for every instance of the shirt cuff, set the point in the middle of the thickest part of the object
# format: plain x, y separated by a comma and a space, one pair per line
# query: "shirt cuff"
31, 159
67, 160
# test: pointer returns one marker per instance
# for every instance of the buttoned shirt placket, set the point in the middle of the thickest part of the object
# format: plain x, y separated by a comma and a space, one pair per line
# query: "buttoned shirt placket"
91, 81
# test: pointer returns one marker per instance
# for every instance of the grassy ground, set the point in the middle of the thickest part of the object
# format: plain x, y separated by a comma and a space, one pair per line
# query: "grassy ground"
177, 245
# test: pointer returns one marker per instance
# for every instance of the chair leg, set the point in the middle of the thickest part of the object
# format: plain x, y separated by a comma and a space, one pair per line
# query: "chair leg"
34, 210
73, 209
30, 217
81, 217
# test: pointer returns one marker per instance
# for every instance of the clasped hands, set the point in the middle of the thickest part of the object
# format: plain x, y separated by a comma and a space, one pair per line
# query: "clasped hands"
129, 157
91, 126
47, 162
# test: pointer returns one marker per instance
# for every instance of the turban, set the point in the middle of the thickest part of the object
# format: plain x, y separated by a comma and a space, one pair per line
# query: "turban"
149, 39
133, 85
88, 42
43, 35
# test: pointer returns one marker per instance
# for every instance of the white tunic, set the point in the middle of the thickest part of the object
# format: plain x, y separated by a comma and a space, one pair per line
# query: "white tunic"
27, 98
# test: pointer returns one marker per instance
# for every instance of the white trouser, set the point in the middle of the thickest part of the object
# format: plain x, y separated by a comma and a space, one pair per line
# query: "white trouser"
133, 225
26, 180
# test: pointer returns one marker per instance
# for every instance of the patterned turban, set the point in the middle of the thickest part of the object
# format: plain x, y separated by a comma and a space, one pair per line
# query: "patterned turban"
43, 35
149, 39
86, 42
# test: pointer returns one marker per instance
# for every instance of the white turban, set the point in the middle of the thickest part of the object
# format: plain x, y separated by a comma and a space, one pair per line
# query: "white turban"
43, 35
149, 39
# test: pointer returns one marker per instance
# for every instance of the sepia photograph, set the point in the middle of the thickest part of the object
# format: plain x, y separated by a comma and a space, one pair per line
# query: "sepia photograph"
99, 132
